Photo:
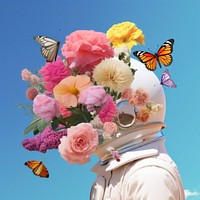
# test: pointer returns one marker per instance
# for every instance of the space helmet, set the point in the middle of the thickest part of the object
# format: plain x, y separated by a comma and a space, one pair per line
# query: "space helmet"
130, 131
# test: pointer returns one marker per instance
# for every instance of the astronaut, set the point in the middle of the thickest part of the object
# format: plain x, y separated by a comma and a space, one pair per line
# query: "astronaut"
143, 169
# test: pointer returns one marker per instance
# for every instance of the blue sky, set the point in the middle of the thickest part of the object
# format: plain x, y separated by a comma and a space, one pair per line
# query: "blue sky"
160, 20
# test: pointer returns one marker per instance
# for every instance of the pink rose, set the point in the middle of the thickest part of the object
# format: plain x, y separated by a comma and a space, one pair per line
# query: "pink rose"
93, 96
26, 75
79, 144
85, 49
46, 107
110, 127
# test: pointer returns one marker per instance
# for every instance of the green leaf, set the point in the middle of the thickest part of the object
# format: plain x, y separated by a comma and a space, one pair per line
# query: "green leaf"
32, 126
36, 126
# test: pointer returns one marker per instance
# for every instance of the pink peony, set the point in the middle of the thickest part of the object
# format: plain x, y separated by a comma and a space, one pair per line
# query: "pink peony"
26, 75
31, 93
139, 98
109, 110
79, 144
46, 107
93, 96
52, 73
84, 49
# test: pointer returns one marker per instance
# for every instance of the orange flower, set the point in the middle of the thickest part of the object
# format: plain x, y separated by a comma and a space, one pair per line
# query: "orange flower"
69, 89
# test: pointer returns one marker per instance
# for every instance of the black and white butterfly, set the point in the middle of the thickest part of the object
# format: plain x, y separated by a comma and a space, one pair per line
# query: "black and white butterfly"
49, 49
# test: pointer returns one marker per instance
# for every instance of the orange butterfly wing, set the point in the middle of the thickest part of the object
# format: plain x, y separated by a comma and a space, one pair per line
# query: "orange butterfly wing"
163, 56
164, 53
147, 58
38, 168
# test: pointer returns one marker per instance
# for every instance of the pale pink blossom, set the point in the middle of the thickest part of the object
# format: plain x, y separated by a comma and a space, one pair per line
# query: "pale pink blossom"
26, 75
34, 80
110, 127
93, 96
79, 144
30, 77
85, 49
46, 107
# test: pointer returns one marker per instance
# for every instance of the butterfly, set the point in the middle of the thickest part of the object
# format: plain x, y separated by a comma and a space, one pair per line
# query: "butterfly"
166, 79
38, 168
49, 49
163, 56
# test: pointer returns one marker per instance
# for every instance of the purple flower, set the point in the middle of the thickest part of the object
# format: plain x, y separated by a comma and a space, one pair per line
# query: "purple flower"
48, 139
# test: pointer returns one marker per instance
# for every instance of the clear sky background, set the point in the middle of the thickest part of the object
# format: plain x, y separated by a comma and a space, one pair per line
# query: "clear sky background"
160, 20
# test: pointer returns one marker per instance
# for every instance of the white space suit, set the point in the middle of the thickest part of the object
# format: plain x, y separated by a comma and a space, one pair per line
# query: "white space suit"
145, 170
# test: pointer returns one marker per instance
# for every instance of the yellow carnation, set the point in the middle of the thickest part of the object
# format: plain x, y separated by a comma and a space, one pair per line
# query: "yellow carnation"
125, 33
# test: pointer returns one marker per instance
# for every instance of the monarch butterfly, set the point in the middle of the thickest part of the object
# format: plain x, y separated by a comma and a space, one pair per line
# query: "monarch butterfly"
163, 56
166, 79
49, 49
38, 168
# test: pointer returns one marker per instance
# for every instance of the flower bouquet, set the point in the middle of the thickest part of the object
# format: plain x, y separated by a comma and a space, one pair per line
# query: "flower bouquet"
75, 97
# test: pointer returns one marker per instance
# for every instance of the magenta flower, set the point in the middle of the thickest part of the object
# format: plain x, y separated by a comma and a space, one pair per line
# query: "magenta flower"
93, 96
109, 110
52, 73
48, 139
84, 49
46, 107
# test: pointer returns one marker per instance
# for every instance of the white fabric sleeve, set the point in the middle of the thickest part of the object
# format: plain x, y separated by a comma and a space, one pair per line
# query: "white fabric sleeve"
151, 183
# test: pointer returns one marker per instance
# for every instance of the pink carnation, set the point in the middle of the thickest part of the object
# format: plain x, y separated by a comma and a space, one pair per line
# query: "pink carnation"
93, 96
31, 93
46, 107
79, 144
86, 48
109, 110
139, 98
52, 73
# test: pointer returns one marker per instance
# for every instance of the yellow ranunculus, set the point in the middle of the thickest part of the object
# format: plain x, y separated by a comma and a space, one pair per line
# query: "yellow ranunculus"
125, 33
